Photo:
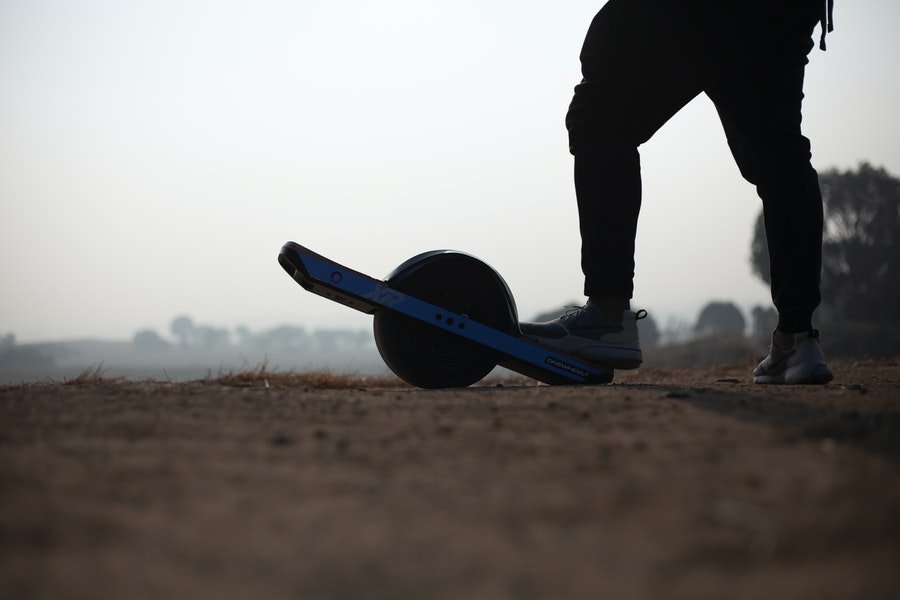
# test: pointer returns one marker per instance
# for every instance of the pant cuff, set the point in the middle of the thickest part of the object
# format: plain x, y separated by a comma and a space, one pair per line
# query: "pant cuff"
794, 322
594, 286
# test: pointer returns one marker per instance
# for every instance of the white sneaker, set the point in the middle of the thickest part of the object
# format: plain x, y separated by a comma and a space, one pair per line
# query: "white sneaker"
804, 363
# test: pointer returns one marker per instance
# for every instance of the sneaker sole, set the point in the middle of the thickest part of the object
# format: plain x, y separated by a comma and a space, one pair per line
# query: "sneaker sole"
820, 375
616, 357
620, 361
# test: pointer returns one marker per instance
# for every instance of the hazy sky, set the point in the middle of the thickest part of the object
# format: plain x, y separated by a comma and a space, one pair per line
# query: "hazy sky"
154, 155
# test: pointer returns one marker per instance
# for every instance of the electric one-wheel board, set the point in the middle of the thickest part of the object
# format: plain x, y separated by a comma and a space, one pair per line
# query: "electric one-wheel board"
442, 319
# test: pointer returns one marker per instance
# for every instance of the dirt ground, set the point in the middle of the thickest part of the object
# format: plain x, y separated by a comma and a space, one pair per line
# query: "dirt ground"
666, 484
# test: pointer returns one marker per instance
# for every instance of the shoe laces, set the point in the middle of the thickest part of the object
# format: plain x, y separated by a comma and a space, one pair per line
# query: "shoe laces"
572, 313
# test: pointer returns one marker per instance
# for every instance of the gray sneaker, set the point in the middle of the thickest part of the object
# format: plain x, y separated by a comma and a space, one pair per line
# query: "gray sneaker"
804, 363
587, 334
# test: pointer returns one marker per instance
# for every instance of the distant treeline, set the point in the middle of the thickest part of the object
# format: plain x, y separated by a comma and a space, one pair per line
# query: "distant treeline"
188, 334
191, 350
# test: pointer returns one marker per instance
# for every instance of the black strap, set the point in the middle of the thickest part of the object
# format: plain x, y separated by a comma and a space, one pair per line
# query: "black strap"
827, 21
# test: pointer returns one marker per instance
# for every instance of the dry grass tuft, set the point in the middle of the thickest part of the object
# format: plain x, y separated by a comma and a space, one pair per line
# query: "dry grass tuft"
262, 376
92, 376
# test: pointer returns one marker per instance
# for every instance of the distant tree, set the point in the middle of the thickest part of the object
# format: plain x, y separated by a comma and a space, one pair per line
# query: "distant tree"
331, 339
676, 331
326, 339
210, 337
861, 246
283, 337
759, 250
244, 335
23, 355
648, 331
720, 318
147, 340
7, 341
183, 329
764, 321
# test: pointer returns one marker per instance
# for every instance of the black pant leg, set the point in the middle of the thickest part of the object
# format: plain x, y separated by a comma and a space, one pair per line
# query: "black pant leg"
642, 61
760, 108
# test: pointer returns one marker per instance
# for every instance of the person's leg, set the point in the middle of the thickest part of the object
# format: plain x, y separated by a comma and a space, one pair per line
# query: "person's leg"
608, 190
642, 61
760, 109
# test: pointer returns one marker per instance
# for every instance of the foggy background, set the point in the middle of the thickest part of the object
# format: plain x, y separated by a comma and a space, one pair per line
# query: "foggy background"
154, 156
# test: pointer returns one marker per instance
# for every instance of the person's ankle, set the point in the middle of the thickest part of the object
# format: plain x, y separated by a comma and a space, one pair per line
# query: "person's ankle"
611, 308
783, 340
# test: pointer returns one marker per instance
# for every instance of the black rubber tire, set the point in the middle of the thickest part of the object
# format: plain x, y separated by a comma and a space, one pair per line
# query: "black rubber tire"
426, 356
